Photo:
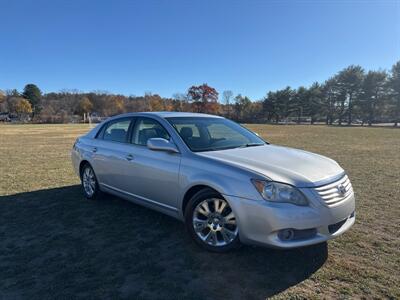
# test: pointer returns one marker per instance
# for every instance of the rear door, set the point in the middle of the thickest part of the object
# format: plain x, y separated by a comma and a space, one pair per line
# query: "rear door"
112, 152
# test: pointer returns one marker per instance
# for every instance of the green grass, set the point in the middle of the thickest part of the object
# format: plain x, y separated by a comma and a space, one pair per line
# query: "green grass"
55, 244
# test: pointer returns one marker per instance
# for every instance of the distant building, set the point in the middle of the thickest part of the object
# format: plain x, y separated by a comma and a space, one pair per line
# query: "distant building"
95, 118
5, 117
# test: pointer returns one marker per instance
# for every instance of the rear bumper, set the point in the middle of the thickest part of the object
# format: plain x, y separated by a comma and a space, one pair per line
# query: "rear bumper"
75, 158
260, 222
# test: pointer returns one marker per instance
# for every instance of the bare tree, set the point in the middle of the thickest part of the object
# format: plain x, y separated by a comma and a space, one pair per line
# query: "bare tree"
227, 96
182, 100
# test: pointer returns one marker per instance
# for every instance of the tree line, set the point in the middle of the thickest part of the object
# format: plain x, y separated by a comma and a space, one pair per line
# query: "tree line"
353, 95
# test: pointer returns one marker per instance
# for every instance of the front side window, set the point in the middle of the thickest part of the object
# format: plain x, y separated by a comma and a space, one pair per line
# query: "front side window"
117, 131
146, 128
211, 134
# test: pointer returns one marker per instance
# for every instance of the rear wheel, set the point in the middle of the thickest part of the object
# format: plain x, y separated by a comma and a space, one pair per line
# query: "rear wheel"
89, 183
211, 221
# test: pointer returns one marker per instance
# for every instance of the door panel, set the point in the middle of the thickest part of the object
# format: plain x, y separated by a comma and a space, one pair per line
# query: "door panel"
111, 151
153, 175
111, 162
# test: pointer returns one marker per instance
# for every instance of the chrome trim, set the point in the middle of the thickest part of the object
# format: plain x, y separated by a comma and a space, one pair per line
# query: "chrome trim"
328, 180
330, 194
140, 197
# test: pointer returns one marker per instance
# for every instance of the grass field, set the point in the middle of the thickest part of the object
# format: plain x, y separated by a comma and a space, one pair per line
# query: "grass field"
56, 244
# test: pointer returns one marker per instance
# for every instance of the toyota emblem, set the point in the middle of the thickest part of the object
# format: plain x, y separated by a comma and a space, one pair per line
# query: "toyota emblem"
341, 189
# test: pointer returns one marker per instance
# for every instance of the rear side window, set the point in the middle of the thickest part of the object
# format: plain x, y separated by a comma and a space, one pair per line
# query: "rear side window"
117, 131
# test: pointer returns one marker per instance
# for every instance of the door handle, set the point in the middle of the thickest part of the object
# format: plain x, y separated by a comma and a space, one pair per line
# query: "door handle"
129, 157
94, 149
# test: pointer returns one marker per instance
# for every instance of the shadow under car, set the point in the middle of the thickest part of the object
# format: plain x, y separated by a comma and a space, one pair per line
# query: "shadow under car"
54, 243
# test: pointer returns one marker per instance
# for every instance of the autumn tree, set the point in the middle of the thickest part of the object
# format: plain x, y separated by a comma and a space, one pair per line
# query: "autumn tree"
2, 100
204, 98
371, 97
116, 104
20, 106
23, 107
107, 104
156, 103
85, 106
2, 96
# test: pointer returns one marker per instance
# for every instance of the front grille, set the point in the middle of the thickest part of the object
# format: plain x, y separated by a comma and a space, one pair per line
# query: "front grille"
335, 192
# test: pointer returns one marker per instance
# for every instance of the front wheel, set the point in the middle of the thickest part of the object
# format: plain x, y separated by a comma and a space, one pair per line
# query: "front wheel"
211, 222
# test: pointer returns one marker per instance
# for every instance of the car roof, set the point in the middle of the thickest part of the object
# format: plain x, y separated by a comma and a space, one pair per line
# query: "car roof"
168, 114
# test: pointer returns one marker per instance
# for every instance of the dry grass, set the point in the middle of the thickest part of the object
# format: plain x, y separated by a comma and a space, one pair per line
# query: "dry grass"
55, 244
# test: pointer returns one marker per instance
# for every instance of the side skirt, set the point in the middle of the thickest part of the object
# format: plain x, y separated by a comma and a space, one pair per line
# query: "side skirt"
161, 207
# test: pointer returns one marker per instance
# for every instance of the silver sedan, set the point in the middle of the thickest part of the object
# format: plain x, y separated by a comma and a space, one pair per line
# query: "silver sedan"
226, 183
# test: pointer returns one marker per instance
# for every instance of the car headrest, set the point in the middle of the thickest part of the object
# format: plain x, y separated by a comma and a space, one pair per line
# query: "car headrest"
118, 134
146, 134
186, 132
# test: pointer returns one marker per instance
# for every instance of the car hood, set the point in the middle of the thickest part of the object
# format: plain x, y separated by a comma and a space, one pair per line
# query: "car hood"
293, 166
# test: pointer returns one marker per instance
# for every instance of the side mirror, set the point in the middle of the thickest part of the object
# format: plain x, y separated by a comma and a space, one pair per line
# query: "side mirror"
161, 144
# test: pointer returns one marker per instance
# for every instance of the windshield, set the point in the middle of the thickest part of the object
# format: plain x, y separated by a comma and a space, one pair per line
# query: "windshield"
211, 134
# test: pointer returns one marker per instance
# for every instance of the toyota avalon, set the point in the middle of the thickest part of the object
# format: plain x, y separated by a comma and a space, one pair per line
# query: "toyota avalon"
223, 181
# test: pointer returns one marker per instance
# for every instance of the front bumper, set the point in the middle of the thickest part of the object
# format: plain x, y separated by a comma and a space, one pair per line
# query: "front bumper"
260, 221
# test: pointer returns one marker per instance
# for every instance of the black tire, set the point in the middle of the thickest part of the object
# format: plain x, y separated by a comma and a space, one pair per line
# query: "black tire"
190, 210
97, 194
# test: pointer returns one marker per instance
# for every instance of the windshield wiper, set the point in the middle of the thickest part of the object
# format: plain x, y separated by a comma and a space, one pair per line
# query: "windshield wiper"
250, 145
230, 147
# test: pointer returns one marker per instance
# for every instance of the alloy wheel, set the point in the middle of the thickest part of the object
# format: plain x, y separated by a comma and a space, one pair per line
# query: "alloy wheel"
89, 181
214, 222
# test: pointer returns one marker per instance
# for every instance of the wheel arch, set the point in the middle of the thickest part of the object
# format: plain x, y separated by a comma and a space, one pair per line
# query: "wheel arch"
193, 190
81, 165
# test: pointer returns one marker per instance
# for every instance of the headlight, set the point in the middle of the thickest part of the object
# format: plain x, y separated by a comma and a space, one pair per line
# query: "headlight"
279, 192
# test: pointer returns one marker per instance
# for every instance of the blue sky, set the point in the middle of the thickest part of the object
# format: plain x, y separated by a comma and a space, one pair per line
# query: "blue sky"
249, 47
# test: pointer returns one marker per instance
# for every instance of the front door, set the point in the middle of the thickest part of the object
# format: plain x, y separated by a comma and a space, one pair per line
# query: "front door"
152, 175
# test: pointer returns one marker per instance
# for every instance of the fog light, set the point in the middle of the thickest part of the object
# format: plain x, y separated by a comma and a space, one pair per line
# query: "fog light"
286, 234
